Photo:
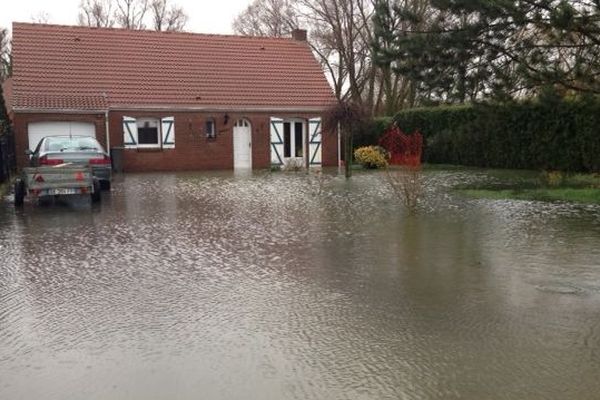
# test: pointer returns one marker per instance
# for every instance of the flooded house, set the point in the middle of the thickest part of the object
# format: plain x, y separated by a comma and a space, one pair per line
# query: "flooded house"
172, 101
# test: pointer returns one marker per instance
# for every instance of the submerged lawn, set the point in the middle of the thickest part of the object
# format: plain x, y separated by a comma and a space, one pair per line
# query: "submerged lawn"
529, 185
589, 195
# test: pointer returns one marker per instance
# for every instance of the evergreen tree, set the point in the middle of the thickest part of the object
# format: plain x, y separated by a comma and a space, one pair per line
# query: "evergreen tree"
4, 121
464, 50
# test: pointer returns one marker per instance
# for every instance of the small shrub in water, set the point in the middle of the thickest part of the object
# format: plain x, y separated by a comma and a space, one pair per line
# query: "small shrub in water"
317, 177
407, 184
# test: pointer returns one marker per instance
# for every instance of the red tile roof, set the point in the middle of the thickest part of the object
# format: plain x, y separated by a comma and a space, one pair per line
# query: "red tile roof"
69, 67
61, 102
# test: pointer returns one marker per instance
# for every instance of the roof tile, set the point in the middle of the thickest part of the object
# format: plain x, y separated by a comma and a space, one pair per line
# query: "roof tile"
79, 67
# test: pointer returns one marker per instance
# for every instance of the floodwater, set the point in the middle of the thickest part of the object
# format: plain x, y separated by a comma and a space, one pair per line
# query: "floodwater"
283, 286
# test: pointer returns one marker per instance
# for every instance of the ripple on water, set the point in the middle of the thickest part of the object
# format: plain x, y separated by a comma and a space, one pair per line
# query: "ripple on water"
292, 286
560, 289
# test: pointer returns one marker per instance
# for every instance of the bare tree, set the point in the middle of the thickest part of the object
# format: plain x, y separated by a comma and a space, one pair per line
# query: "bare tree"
5, 55
267, 18
130, 14
343, 44
41, 17
279, 17
340, 34
96, 13
166, 18
322, 41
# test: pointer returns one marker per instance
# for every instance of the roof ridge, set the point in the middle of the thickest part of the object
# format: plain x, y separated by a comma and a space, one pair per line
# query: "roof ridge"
150, 31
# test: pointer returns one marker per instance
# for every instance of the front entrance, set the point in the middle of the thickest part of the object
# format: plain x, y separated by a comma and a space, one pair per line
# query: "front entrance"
293, 139
242, 145
295, 142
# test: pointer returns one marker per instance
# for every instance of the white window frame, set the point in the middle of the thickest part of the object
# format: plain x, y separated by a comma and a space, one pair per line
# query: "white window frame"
213, 122
140, 123
242, 122
293, 122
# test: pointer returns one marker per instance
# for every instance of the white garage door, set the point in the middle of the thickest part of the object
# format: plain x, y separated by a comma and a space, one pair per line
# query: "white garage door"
39, 130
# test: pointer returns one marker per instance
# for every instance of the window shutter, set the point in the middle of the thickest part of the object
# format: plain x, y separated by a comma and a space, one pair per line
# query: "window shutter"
276, 141
130, 135
314, 145
168, 132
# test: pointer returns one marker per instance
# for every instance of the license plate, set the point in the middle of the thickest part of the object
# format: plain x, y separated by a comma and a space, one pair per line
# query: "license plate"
58, 192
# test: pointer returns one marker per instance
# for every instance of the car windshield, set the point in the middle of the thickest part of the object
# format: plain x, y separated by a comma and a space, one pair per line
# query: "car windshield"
72, 144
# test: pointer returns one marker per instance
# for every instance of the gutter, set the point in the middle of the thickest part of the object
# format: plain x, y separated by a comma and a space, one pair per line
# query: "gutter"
168, 108
57, 110
213, 108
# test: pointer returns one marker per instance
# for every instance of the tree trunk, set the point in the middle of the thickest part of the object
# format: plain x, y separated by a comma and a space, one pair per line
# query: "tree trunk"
348, 154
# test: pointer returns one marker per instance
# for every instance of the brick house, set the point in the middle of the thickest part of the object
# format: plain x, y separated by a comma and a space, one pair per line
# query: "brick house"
173, 101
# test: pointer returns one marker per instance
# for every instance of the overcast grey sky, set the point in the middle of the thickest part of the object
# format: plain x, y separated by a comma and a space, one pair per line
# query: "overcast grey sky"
213, 16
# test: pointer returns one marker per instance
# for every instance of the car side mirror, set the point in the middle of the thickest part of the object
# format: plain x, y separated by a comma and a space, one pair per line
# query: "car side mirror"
28, 152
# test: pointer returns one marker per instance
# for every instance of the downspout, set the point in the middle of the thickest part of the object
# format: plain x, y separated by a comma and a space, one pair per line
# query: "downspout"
107, 131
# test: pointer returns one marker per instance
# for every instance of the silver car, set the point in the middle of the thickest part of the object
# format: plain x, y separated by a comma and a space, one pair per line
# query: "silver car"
77, 150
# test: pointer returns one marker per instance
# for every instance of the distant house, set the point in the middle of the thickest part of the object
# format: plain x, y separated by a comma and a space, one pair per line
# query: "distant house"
173, 101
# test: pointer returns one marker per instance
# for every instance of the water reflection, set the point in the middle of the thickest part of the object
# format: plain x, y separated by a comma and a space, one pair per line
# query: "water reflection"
288, 286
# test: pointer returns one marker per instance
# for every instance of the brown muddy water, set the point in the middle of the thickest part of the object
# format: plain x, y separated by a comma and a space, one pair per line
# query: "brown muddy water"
275, 286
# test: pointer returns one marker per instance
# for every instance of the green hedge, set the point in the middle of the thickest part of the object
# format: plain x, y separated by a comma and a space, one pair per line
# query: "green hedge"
370, 136
551, 134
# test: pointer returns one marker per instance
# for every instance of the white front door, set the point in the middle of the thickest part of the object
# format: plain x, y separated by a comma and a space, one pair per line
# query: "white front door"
242, 145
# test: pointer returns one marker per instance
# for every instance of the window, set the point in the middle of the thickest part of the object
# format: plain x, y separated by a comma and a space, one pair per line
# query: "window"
72, 143
148, 132
210, 129
298, 139
293, 139
287, 144
242, 123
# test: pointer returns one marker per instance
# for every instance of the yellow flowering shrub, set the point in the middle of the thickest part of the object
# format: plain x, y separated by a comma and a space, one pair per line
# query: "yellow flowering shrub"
371, 157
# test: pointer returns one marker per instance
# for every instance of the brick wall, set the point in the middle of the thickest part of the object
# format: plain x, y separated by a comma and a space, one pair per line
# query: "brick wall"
193, 151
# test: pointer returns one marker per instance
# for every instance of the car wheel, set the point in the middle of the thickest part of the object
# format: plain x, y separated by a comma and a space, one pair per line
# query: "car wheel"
96, 196
19, 192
